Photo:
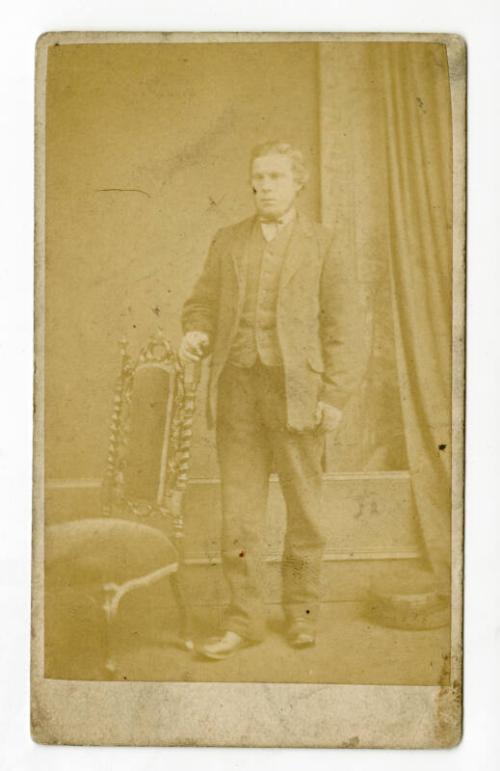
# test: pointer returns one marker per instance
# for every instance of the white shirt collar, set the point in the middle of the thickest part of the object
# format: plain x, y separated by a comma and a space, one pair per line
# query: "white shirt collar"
271, 229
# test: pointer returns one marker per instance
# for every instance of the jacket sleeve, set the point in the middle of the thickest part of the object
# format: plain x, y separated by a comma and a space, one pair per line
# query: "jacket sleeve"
200, 309
342, 322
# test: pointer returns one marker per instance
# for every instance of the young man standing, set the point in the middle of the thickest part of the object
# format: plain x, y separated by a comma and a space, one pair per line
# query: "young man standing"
276, 307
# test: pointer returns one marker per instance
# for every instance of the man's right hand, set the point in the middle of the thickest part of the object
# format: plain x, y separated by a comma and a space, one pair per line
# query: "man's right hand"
193, 346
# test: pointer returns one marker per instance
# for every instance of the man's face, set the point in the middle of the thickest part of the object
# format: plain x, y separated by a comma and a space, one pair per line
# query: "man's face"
274, 185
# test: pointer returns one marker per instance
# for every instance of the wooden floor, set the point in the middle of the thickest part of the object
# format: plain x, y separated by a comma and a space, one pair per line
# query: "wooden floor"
350, 648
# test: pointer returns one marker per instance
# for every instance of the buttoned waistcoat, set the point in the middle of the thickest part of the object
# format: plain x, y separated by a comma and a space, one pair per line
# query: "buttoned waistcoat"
318, 316
256, 336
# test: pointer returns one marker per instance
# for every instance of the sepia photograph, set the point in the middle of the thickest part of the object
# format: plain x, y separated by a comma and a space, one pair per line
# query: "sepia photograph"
249, 388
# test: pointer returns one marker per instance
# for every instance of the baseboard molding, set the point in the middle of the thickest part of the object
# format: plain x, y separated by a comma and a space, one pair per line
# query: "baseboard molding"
329, 556
370, 515
65, 484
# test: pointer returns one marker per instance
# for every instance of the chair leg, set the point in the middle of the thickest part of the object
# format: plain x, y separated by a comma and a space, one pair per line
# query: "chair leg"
185, 620
110, 670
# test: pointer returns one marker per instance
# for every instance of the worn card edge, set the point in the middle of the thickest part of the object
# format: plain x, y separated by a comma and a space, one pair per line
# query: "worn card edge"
51, 700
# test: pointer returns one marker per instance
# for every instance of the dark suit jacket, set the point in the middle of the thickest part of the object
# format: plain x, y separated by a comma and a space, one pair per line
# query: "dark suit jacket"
317, 318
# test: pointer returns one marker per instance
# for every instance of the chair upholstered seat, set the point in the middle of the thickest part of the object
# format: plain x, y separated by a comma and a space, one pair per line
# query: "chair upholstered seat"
103, 550
93, 563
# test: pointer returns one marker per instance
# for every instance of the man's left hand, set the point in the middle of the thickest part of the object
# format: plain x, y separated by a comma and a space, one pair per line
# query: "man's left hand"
328, 417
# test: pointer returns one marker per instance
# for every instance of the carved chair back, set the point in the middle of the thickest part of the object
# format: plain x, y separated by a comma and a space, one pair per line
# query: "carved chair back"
150, 439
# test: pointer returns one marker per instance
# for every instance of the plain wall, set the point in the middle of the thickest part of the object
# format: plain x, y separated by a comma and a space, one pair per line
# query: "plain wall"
147, 156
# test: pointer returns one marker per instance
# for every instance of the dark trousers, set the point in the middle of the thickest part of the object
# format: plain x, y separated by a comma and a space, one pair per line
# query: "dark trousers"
252, 439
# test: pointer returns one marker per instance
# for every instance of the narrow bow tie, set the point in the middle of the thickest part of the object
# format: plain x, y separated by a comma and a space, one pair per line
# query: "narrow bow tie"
269, 221
270, 228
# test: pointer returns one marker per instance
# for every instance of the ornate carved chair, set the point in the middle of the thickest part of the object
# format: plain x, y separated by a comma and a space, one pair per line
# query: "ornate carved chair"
138, 539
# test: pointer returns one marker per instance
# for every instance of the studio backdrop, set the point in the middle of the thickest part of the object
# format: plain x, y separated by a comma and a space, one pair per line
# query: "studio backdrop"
147, 156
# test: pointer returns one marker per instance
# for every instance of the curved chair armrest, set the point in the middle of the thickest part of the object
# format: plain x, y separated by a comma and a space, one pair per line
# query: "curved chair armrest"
115, 592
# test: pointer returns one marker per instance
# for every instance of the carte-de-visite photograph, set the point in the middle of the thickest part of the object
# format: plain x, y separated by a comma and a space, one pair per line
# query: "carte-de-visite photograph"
249, 362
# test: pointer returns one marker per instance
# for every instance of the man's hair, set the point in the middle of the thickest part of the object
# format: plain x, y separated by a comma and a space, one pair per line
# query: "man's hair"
299, 170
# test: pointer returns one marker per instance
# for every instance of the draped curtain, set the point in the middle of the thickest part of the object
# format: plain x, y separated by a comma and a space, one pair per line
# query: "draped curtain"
387, 192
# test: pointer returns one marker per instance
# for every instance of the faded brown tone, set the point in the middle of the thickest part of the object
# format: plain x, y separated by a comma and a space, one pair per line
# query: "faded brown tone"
388, 171
111, 270
147, 155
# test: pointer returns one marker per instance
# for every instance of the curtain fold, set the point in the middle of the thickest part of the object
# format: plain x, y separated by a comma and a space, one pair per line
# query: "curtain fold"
386, 161
419, 168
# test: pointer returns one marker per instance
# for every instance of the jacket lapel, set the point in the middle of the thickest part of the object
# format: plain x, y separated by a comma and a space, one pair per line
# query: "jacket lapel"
239, 250
298, 251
